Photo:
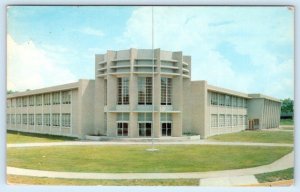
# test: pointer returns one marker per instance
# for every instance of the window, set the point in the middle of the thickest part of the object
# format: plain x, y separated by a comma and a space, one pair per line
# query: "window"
234, 104
13, 119
222, 99
145, 90
47, 99
31, 119
166, 91
55, 119
214, 120
123, 91
227, 100
66, 97
19, 102
234, 120
240, 102
31, 100
19, 119
66, 120
39, 119
13, 102
56, 98
24, 119
228, 120
24, 101
222, 120
47, 119
122, 128
8, 118
145, 124
214, 98
245, 103
39, 100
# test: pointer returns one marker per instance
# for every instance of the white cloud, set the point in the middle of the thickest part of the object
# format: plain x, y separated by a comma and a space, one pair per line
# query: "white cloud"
29, 67
198, 31
91, 31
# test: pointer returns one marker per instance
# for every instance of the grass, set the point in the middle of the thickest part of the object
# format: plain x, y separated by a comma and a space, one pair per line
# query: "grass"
286, 174
286, 122
127, 182
19, 137
257, 136
135, 158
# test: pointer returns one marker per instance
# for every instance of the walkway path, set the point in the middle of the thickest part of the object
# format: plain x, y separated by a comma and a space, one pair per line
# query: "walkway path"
195, 142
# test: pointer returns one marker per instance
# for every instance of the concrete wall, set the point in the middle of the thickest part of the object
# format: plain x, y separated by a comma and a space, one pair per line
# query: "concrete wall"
80, 110
195, 107
73, 130
230, 115
86, 111
266, 110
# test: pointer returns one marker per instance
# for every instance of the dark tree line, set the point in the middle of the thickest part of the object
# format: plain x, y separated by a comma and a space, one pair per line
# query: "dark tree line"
287, 106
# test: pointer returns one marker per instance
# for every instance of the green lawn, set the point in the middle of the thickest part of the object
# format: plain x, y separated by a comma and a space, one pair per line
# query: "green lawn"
135, 158
127, 182
257, 136
19, 137
276, 176
286, 122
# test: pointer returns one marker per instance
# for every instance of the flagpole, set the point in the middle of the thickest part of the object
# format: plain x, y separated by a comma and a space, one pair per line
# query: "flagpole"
153, 82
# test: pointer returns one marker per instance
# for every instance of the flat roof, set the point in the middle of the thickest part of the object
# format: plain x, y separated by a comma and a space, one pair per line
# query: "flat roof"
261, 96
227, 91
68, 86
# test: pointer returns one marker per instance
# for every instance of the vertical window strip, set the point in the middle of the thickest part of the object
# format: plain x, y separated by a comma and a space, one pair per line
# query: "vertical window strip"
56, 98
13, 119
66, 120
66, 97
123, 91
214, 120
31, 119
166, 91
24, 101
47, 119
145, 90
55, 119
24, 119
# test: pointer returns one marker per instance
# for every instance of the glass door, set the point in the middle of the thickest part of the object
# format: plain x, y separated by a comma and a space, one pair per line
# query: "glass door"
166, 129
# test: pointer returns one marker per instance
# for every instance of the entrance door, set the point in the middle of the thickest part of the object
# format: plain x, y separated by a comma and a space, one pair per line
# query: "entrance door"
166, 129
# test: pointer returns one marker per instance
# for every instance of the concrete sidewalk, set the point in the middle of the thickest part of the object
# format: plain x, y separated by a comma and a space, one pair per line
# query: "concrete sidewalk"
194, 142
283, 163
229, 181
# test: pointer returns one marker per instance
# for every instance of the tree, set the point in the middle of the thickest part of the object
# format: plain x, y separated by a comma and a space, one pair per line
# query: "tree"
287, 106
10, 91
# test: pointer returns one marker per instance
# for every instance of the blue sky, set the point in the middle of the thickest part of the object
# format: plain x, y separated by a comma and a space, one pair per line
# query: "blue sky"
248, 49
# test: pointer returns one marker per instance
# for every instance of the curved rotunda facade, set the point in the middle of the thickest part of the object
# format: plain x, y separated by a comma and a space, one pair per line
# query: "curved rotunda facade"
139, 92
